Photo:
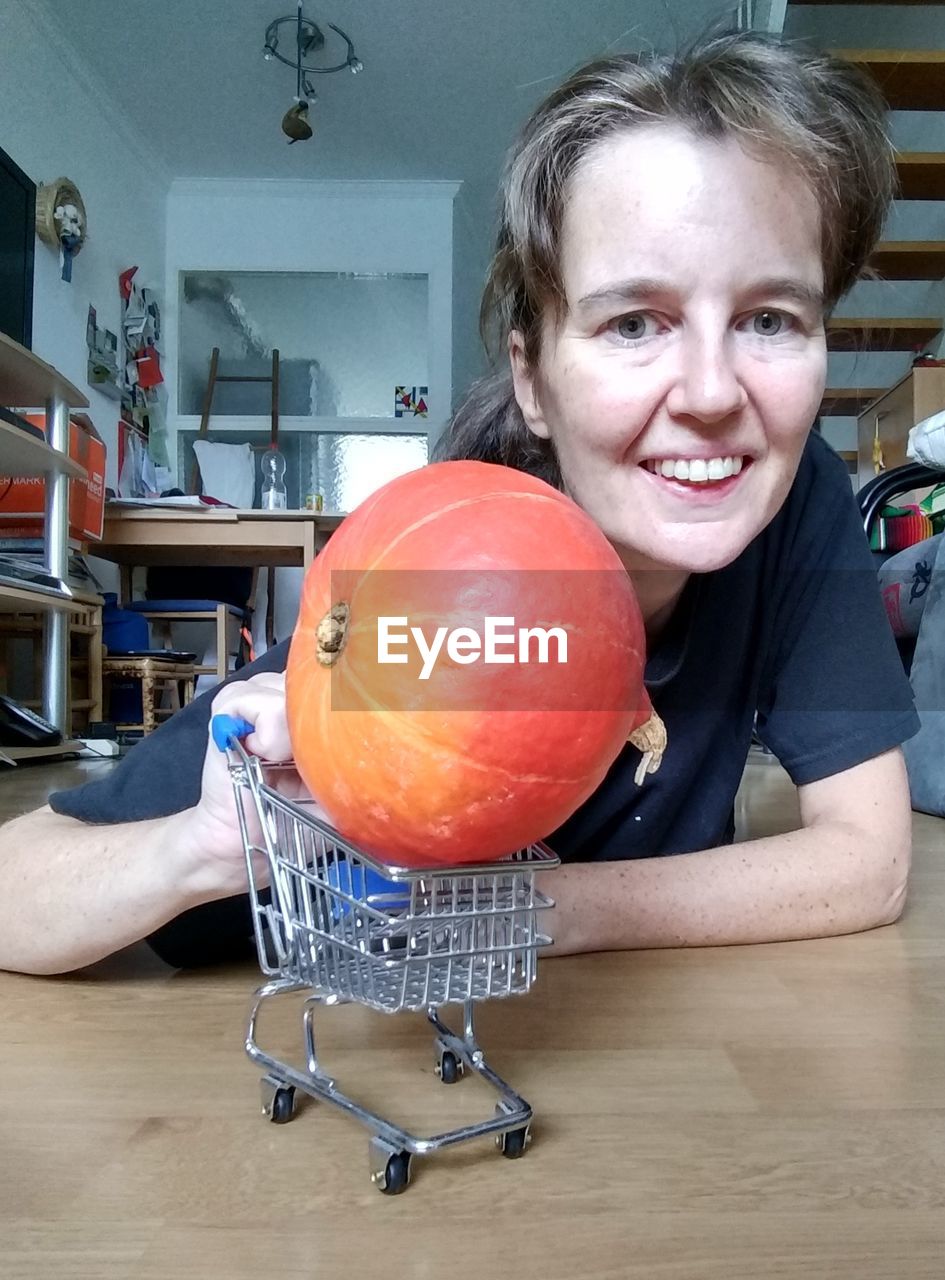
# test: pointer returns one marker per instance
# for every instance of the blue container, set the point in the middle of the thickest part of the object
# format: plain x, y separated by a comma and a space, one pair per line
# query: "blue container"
124, 631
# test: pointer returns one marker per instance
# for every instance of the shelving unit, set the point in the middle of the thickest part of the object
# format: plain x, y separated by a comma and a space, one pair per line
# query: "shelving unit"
21, 597
24, 455
891, 417
86, 652
28, 382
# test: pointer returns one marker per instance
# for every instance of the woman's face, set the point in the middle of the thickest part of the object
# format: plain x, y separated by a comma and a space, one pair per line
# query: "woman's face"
682, 382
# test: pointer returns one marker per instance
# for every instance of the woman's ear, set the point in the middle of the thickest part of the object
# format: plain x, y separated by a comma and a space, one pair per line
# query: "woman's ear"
525, 382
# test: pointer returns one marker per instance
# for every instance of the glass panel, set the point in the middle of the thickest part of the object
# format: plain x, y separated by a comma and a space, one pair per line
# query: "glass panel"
345, 341
344, 467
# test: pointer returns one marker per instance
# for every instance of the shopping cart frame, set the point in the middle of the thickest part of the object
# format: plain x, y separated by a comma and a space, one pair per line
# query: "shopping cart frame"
406, 939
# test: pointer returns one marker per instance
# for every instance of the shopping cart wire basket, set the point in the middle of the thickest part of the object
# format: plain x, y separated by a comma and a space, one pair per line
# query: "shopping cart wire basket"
332, 920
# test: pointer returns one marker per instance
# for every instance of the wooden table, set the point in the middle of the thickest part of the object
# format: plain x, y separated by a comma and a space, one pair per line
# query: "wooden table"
725, 1114
210, 536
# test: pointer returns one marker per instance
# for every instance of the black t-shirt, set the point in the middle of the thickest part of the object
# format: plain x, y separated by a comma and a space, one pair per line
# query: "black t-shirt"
791, 638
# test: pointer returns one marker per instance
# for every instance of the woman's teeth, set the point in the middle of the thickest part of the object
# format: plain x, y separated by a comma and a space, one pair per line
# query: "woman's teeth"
698, 471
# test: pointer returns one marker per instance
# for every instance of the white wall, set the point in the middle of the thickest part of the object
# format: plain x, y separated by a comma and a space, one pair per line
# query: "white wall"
475, 227
54, 122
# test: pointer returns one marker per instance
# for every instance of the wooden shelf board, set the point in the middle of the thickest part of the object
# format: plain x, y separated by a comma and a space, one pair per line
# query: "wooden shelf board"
21, 599
28, 382
848, 401
66, 747
874, 333
24, 455
910, 259
910, 79
921, 175
75, 704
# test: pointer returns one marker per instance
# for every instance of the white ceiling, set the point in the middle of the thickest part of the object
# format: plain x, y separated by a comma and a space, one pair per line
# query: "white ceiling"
444, 85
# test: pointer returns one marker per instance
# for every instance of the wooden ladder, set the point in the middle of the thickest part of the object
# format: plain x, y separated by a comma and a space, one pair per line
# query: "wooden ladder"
212, 380
272, 379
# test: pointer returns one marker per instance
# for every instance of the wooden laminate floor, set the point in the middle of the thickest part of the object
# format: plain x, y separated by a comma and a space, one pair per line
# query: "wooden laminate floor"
738, 1113
28, 785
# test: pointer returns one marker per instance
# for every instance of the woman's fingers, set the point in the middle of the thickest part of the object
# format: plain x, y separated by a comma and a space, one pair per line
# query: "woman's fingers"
260, 701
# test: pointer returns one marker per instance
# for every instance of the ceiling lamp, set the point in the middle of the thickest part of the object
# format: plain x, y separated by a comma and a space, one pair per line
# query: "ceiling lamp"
308, 39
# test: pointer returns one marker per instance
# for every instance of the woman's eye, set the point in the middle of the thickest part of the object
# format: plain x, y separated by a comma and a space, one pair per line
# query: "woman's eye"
768, 324
632, 327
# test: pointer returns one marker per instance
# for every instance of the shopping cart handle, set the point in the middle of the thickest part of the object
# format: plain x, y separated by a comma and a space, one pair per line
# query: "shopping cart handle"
224, 729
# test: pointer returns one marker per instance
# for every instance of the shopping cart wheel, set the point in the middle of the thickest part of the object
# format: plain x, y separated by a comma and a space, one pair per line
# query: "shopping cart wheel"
449, 1068
395, 1176
283, 1106
513, 1144
278, 1101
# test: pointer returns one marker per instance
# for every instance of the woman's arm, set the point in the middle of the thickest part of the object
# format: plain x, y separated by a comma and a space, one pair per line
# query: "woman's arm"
75, 892
845, 870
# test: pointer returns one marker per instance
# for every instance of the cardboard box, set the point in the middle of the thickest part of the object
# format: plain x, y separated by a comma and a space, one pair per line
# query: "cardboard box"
23, 499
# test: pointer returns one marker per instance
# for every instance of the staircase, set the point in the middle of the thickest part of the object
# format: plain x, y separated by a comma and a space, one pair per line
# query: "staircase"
873, 345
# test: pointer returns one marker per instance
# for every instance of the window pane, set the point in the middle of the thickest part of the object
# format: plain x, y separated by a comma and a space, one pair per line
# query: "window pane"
345, 341
344, 467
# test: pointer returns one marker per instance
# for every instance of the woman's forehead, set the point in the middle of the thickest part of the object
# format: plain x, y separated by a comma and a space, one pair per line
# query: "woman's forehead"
660, 201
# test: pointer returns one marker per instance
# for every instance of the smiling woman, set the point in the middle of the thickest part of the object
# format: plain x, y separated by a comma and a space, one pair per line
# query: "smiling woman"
673, 231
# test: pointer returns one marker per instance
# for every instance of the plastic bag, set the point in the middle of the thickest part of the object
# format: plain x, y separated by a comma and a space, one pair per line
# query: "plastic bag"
927, 441
925, 753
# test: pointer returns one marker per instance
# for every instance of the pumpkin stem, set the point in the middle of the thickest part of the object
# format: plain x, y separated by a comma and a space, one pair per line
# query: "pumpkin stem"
651, 739
331, 633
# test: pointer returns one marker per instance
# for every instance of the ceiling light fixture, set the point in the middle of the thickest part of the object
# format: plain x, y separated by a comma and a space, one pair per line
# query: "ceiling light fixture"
309, 39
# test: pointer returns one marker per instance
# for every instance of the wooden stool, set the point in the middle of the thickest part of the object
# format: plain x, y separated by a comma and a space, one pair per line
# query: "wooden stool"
155, 674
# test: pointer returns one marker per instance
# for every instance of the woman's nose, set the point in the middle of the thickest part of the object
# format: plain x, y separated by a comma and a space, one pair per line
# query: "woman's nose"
707, 386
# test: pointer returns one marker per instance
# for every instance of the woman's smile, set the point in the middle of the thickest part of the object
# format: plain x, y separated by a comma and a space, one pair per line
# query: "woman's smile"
695, 481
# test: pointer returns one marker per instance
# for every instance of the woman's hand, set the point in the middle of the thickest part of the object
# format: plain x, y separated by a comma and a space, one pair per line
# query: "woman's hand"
213, 827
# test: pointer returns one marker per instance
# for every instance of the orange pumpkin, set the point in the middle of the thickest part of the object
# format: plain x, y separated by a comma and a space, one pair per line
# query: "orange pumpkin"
449, 759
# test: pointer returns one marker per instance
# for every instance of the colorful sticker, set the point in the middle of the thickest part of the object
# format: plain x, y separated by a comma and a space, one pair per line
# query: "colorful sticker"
410, 402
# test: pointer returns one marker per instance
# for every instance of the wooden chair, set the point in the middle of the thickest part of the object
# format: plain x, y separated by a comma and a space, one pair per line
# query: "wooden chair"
227, 618
186, 594
157, 675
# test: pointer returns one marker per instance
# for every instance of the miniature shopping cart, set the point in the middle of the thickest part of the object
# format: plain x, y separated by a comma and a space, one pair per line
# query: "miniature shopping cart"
331, 920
